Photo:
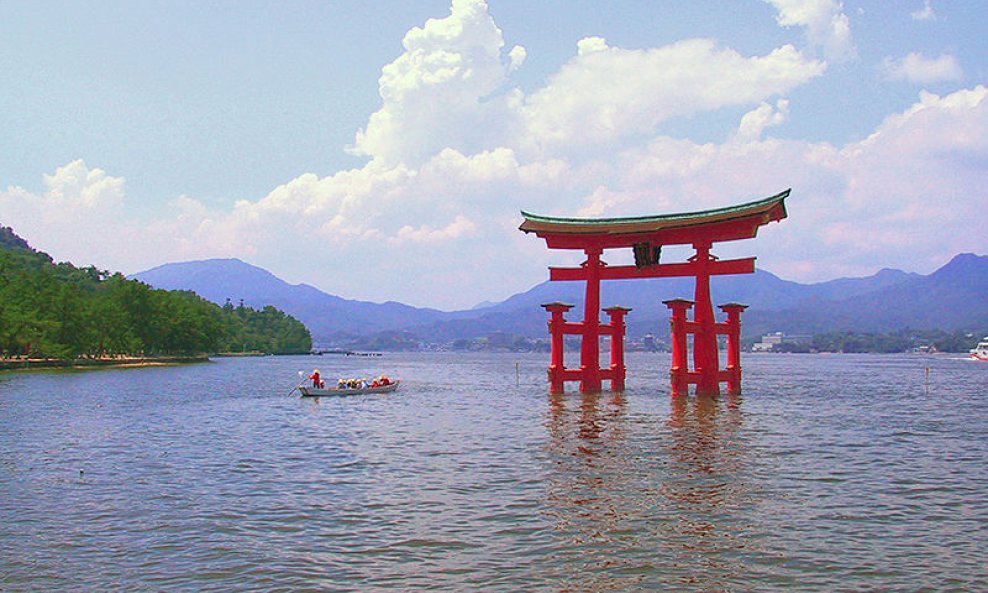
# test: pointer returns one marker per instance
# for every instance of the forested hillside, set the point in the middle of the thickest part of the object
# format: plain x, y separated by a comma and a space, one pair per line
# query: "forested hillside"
50, 310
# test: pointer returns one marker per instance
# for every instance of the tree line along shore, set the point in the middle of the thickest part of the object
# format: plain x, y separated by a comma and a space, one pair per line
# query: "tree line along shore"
55, 314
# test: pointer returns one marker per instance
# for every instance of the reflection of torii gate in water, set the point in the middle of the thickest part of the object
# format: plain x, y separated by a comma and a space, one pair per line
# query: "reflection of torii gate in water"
646, 235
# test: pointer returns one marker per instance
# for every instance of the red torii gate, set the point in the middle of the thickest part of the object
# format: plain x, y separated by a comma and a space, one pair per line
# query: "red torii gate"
645, 235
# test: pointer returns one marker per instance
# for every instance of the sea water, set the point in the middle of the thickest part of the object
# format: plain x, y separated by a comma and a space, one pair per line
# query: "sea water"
830, 473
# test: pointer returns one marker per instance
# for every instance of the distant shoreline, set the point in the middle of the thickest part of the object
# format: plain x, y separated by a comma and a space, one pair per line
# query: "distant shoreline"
19, 364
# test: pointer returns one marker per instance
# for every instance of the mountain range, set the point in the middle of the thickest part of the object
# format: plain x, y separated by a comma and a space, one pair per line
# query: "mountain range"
951, 298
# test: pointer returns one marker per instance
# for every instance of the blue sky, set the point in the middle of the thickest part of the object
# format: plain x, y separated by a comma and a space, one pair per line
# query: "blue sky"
382, 151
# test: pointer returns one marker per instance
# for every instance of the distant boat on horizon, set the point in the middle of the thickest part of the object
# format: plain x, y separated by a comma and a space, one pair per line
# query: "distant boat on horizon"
981, 352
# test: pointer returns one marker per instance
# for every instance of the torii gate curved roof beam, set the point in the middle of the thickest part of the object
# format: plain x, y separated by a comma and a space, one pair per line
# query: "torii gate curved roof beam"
722, 224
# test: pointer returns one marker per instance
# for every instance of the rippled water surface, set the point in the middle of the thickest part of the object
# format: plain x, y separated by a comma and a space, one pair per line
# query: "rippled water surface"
833, 473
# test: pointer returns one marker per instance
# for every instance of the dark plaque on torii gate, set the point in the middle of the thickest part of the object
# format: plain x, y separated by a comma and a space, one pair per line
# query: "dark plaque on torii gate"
646, 235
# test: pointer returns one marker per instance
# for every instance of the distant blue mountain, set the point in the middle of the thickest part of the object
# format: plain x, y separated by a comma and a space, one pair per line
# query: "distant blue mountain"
951, 298
328, 317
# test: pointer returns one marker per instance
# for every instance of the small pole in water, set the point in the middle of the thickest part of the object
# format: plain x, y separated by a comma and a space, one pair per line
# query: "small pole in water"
517, 376
927, 380
300, 374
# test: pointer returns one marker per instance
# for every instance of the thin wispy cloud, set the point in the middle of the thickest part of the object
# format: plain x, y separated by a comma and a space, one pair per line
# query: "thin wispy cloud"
919, 69
924, 14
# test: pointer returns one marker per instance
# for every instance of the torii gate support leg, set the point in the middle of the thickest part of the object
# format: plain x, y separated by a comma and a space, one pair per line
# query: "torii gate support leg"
679, 371
733, 311
617, 328
556, 334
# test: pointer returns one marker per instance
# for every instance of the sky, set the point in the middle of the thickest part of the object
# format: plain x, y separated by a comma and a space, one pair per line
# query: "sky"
384, 150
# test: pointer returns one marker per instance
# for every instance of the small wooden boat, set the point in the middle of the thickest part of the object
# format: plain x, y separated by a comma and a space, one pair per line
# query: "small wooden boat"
346, 391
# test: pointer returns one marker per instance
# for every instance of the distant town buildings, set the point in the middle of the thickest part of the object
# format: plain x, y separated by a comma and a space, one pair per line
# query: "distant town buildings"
648, 343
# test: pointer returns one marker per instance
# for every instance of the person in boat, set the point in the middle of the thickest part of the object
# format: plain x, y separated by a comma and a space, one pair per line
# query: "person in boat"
316, 379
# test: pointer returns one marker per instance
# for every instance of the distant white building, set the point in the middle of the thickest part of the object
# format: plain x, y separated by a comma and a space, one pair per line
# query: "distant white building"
770, 341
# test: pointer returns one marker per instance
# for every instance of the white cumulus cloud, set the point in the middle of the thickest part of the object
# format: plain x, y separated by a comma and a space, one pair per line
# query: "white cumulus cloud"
905, 196
77, 187
459, 227
438, 93
68, 217
765, 115
827, 27
607, 94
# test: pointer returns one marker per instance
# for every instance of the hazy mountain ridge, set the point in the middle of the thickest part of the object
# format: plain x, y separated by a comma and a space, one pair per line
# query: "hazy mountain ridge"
950, 298
327, 316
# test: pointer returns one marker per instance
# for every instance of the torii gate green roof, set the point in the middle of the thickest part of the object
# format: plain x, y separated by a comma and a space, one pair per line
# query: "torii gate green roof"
770, 209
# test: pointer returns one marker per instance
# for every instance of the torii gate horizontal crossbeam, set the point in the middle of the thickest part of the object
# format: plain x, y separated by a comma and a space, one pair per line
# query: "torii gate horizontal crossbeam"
713, 267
